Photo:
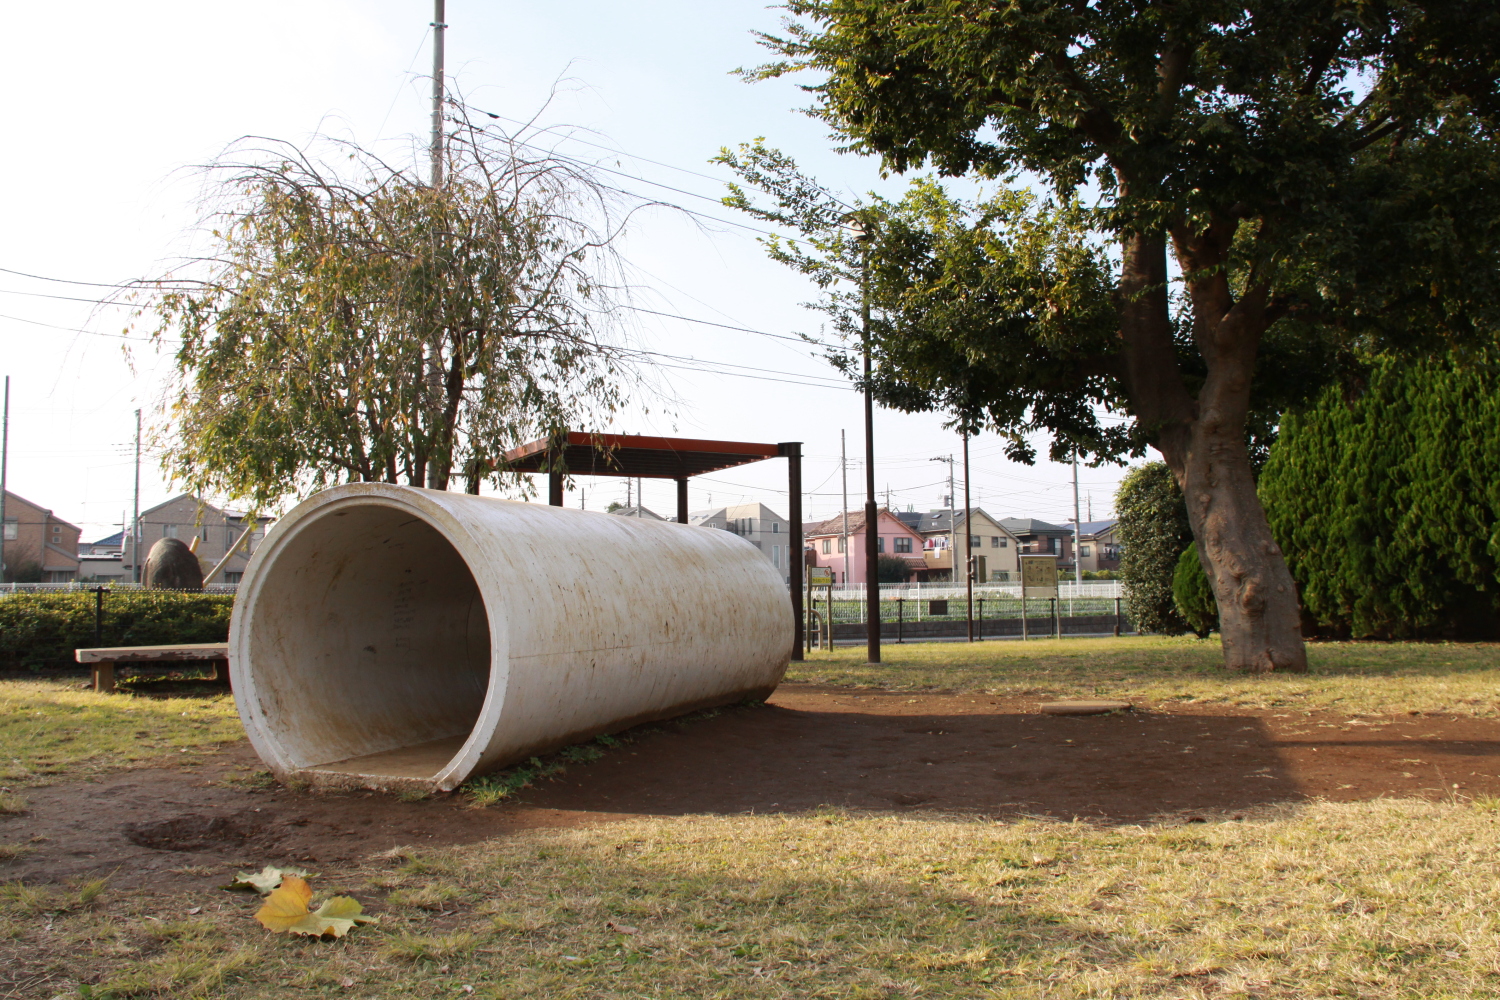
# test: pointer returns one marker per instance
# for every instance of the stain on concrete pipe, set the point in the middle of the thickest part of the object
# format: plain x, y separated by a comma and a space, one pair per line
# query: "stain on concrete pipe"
389, 636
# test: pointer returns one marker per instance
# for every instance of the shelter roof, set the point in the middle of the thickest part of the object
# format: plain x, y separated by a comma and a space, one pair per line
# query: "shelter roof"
637, 455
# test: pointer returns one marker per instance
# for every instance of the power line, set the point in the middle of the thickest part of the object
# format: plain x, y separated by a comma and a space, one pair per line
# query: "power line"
67, 298
74, 329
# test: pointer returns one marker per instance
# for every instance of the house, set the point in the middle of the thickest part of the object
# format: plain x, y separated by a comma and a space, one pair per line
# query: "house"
1098, 548
108, 545
830, 543
39, 546
757, 524
188, 517
1041, 538
994, 548
636, 510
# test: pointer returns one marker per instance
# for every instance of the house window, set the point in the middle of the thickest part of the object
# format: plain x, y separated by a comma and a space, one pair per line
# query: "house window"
999, 576
57, 529
879, 543
233, 577
776, 556
1085, 550
976, 541
842, 541
12, 526
827, 546
903, 544
169, 531
1004, 543
775, 527
994, 541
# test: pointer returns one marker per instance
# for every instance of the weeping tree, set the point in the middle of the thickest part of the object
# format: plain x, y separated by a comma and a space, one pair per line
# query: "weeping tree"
358, 324
1288, 189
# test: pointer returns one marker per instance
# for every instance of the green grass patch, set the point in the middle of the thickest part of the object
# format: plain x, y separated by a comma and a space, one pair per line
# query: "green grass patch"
1370, 677
51, 728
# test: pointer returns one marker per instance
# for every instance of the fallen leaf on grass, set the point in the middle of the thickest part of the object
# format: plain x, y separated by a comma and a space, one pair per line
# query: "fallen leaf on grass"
285, 912
621, 928
265, 881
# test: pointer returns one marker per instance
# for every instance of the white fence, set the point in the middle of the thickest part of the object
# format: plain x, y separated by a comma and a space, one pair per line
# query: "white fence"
947, 591
31, 588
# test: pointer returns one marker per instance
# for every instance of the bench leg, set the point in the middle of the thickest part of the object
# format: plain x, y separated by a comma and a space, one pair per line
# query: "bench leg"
104, 676
221, 672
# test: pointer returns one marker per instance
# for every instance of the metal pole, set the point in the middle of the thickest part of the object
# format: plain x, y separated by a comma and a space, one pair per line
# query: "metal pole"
135, 524
968, 549
844, 467
872, 515
439, 27
900, 619
4, 461
1056, 621
795, 560
1117, 617
98, 617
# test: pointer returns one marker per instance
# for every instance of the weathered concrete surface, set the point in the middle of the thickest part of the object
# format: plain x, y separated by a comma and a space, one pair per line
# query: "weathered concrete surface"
389, 635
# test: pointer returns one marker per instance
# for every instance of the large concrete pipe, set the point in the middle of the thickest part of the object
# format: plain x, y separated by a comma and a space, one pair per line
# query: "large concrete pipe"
389, 636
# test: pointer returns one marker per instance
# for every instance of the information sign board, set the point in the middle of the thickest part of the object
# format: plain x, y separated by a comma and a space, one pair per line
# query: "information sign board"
1038, 576
819, 576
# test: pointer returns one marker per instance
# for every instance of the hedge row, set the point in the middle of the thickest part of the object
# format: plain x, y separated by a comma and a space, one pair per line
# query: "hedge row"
1388, 504
39, 631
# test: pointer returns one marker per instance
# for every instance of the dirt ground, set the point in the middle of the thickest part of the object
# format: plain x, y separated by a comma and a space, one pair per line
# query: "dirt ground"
806, 748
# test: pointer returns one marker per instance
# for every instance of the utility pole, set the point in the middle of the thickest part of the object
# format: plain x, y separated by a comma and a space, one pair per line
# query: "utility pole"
4, 461
439, 26
872, 514
844, 538
629, 485
1077, 538
968, 548
135, 523
952, 525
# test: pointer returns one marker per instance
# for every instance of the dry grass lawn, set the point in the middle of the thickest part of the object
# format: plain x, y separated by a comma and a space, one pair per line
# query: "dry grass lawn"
52, 729
1381, 900
1374, 900
1355, 677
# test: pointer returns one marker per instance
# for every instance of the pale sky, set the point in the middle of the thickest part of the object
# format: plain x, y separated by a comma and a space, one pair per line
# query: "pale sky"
112, 105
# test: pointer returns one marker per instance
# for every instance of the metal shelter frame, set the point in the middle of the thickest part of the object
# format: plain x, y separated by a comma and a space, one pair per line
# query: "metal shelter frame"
634, 456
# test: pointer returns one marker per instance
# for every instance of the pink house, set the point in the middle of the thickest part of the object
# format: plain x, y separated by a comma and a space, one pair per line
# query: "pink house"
828, 542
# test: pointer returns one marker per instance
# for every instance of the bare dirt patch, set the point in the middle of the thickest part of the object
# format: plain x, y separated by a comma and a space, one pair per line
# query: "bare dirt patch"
807, 748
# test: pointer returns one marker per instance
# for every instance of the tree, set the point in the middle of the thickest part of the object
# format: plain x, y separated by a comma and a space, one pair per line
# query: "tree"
1387, 501
357, 324
1153, 532
892, 569
1322, 175
1193, 595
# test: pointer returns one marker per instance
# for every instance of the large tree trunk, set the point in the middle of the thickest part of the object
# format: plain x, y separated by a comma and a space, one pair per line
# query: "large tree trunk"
1203, 441
1260, 620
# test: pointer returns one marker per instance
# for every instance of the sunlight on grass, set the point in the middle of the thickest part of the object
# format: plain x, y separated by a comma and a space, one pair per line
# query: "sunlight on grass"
1380, 900
50, 728
1369, 677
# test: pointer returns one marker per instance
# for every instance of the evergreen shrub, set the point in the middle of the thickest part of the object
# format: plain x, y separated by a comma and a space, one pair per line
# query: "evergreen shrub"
40, 630
1193, 594
1387, 505
1153, 530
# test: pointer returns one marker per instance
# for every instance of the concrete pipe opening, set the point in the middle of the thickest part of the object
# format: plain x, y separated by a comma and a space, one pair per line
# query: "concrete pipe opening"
389, 636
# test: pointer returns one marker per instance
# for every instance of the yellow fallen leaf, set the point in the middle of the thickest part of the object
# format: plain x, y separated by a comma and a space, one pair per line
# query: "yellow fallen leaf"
285, 911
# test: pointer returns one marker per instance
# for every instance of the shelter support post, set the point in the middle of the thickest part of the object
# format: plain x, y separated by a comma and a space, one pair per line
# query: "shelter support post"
555, 489
792, 451
682, 501
104, 676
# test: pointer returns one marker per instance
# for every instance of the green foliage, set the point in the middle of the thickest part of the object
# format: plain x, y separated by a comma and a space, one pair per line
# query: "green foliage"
355, 323
1153, 532
1387, 504
892, 569
41, 630
1193, 594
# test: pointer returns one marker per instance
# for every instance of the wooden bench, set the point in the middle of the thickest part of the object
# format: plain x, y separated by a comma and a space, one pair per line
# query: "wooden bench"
105, 658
